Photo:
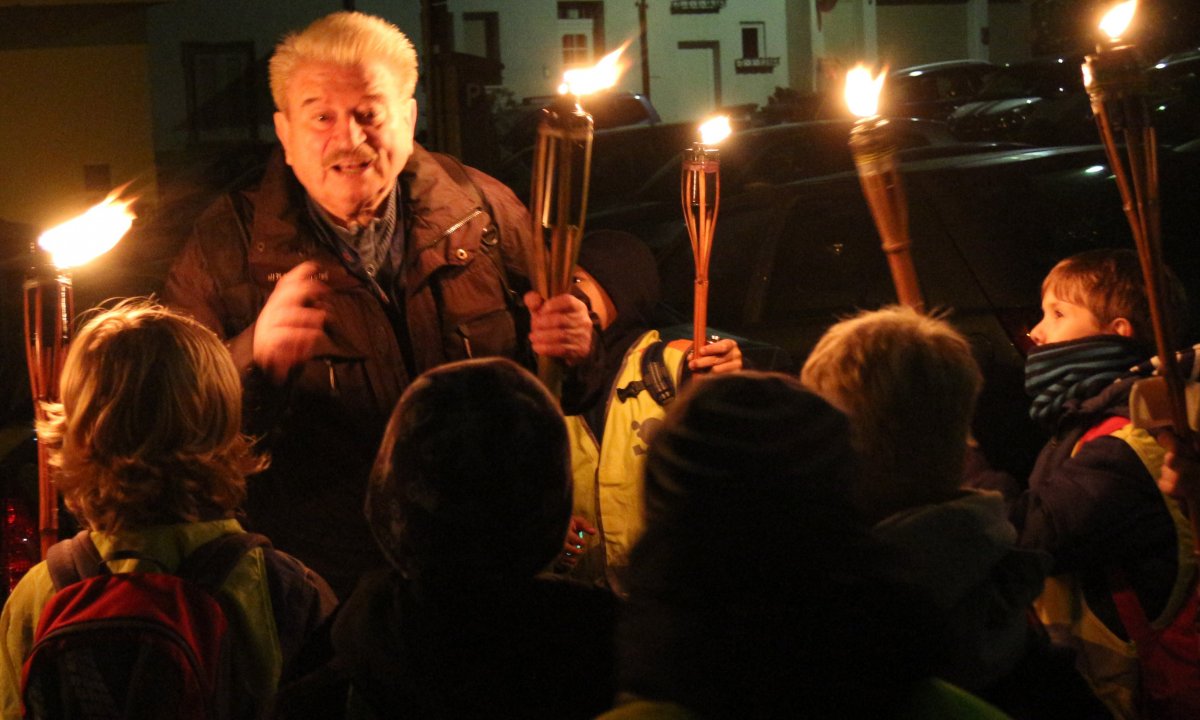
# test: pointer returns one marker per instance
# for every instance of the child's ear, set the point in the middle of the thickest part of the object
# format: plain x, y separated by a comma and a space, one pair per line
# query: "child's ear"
1120, 326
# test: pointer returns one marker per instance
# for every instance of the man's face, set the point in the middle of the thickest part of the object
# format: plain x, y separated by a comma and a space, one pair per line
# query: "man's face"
346, 135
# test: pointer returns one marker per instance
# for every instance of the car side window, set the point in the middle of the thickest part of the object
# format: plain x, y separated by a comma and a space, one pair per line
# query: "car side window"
743, 234
828, 260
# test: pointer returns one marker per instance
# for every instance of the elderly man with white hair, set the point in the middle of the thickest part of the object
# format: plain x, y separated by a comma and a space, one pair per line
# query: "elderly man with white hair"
359, 261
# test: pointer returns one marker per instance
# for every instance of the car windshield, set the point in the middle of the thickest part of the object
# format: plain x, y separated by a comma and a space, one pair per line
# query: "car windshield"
1041, 80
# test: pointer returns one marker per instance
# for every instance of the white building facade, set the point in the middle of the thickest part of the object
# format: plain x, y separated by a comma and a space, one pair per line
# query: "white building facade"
705, 54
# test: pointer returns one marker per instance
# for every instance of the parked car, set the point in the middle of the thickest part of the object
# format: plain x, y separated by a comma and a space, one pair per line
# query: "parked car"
1010, 93
763, 157
609, 109
933, 90
1043, 102
622, 158
788, 260
1174, 102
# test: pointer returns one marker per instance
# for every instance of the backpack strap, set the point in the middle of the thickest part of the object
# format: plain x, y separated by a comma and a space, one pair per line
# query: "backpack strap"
210, 564
1130, 612
1107, 426
77, 559
656, 377
1129, 608
74, 559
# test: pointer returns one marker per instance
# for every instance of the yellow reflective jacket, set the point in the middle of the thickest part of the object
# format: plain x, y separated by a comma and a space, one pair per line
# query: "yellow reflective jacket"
608, 479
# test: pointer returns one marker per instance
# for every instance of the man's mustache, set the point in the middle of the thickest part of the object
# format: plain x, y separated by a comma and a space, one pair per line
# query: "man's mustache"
361, 155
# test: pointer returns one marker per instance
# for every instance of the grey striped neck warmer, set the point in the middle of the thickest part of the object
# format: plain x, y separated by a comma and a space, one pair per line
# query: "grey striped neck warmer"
1075, 370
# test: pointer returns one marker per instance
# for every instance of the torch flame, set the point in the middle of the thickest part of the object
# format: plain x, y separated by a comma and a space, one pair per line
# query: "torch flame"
714, 130
89, 235
1117, 19
862, 91
602, 75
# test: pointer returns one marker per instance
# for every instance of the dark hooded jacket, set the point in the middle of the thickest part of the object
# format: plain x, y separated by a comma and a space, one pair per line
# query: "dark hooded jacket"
756, 591
462, 627
463, 237
534, 648
1098, 508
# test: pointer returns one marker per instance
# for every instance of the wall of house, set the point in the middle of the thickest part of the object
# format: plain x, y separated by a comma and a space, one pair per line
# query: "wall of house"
73, 94
847, 34
1011, 32
172, 24
916, 34
531, 41
683, 84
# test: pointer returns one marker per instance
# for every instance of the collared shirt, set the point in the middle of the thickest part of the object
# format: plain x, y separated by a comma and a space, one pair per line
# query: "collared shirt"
372, 251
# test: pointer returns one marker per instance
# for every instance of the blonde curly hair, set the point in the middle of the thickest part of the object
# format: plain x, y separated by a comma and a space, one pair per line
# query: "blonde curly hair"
148, 429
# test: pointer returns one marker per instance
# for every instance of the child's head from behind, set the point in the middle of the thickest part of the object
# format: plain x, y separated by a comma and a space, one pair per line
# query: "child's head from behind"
473, 476
1101, 292
148, 429
908, 382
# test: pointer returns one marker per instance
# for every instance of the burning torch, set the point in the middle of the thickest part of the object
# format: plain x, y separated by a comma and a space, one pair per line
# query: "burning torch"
1116, 84
700, 190
49, 314
1117, 87
562, 162
874, 151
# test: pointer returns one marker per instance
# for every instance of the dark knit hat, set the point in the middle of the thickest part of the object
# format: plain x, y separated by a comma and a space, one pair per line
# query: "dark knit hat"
625, 268
472, 479
761, 432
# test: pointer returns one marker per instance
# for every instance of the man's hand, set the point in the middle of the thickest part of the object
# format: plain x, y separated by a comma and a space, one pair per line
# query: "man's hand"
559, 327
721, 356
576, 542
291, 322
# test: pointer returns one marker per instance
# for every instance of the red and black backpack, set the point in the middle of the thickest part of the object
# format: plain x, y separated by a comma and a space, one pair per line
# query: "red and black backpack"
134, 644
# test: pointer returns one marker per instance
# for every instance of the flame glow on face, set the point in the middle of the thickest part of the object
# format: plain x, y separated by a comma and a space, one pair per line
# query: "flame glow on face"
715, 130
602, 75
1117, 19
862, 91
89, 235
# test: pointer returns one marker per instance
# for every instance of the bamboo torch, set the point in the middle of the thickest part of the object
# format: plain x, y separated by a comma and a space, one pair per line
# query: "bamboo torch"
1116, 85
874, 151
562, 162
49, 315
700, 181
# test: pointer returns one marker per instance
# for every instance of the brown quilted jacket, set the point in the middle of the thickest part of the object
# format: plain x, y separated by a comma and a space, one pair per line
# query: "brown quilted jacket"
323, 428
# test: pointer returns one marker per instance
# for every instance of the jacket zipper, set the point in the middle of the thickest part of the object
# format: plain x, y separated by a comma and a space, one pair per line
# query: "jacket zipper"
453, 228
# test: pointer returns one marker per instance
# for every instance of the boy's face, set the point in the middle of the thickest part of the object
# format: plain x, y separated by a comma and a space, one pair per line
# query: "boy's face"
1063, 320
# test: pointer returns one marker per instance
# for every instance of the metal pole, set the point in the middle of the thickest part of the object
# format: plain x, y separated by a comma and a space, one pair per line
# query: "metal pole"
644, 48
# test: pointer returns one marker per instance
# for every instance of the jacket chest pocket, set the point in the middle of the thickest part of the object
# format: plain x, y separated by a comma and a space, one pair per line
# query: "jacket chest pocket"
491, 333
476, 319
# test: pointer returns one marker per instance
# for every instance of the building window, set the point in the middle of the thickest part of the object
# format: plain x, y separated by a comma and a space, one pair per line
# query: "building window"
753, 39
575, 50
221, 92
481, 34
586, 16
580, 10
754, 57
